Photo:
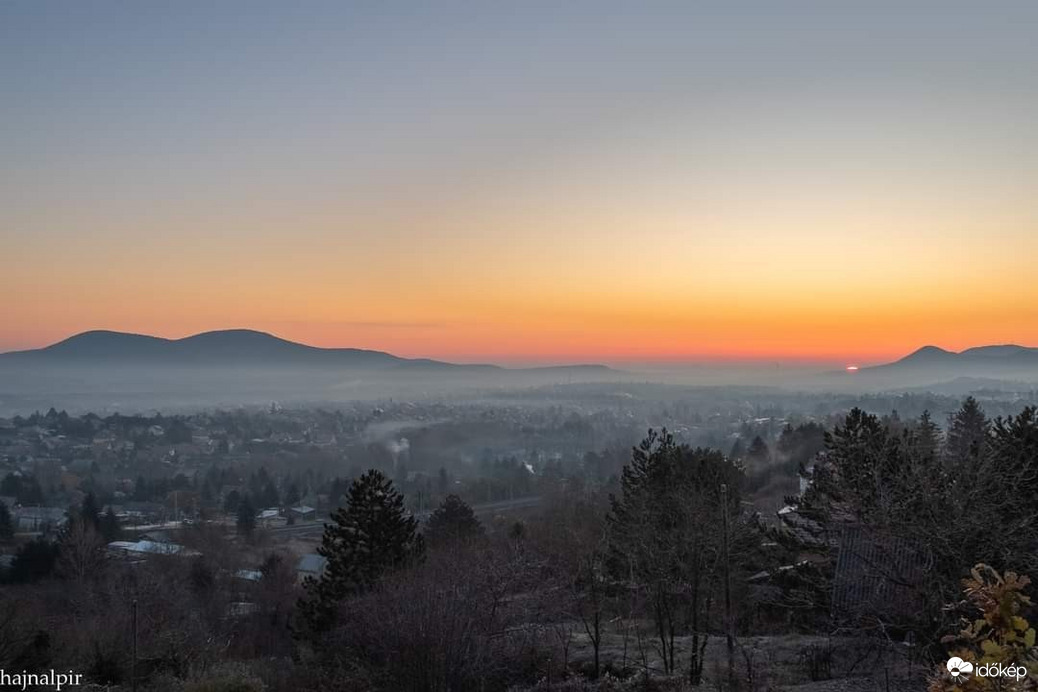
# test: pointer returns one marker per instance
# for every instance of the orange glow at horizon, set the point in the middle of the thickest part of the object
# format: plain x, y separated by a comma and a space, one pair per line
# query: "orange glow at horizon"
783, 291
532, 328
537, 184
513, 277
523, 294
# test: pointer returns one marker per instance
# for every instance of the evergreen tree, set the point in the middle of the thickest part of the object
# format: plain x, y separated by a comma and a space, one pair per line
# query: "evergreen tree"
338, 490
517, 532
968, 431
292, 496
453, 520
231, 502
1006, 486
666, 532
89, 512
141, 492
758, 454
11, 485
879, 483
927, 437
368, 538
109, 525
269, 495
32, 492
6, 523
258, 482
207, 496
799, 446
34, 561
246, 522
871, 475
201, 577
26, 490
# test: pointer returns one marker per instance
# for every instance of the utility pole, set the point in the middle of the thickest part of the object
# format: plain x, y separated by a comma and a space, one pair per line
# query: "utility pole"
133, 670
728, 634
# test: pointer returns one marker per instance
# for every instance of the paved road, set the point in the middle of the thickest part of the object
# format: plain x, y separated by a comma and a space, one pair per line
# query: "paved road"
483, 510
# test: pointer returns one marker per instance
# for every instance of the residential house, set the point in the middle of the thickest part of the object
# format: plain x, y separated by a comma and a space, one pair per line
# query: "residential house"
311, 565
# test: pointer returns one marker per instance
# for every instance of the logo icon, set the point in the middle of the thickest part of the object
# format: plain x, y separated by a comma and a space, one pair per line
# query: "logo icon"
959, 669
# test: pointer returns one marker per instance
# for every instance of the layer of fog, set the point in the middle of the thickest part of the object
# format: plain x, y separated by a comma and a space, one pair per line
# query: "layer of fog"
84, 388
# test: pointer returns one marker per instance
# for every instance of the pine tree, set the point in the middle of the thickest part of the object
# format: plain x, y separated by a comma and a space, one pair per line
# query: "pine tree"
1009, 476
89, 512
667, 531
35, 560
927, 437
109, 526
269, 495
140, 489
453, 520
208, 498
882, 487
799, 446
968, 431
246, 522
368, 538
6, 523
758, 456
26, 490
11, 484
231, 502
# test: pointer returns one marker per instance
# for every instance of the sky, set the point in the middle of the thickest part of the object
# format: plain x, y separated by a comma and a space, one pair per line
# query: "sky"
535, 181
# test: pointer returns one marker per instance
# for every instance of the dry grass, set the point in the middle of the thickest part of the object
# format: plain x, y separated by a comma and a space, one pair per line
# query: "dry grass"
763, 664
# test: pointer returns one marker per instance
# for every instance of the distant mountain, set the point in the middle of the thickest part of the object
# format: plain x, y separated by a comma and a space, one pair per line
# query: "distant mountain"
931, 364
106, 371
1001, 355
928, 354
233, 345
1011, 351
244, 347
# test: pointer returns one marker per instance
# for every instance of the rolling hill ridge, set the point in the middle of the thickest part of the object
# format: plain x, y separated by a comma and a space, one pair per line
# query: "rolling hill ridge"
234, 346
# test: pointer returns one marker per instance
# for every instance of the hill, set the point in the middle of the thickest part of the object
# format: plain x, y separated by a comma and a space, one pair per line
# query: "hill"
928, 365
237, 346
1000, 356
245, 347
115, 371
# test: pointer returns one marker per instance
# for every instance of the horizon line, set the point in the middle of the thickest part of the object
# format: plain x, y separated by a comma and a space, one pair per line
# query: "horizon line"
662, 359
